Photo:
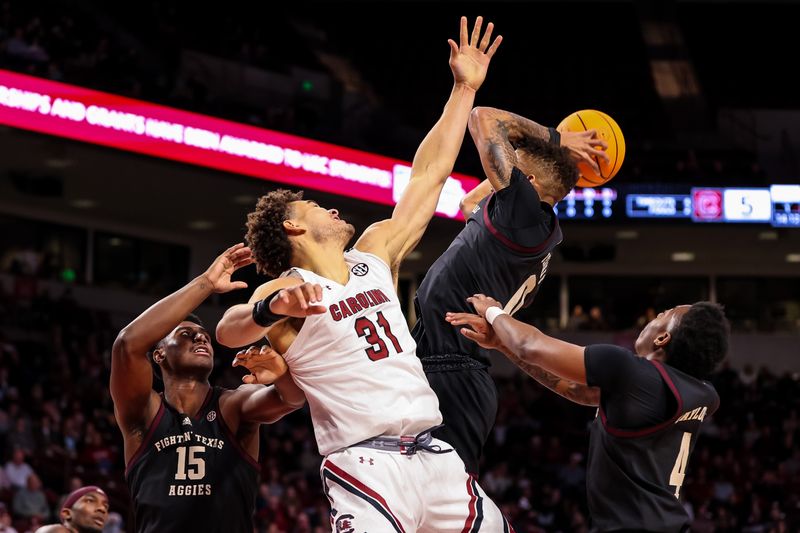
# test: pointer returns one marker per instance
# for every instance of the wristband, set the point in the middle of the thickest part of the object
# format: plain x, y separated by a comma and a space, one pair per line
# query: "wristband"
262, 314
492, 313
555, 136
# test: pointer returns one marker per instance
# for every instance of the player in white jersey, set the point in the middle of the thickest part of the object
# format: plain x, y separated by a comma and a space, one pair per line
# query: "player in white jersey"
348, 346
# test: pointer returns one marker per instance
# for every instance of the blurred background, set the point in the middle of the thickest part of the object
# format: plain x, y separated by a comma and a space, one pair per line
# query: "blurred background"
96, 225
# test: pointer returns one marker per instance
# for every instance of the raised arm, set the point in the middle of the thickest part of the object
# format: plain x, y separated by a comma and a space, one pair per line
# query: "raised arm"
135, 402
480, 331
472, 198
497, 133
249, 323
395, 238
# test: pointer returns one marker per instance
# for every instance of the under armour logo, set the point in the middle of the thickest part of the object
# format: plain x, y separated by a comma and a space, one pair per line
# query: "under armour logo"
370, 459
360, 269
186, 421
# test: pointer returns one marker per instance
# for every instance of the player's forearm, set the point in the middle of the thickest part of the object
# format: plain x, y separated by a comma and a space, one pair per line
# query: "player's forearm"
575, 392
512, 126
291, 395
162, 317
437, 153
473, 197
517, 337
268, 406
237, 327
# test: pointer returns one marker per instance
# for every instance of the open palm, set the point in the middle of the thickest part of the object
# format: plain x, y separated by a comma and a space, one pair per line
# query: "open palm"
469, 60
231, 260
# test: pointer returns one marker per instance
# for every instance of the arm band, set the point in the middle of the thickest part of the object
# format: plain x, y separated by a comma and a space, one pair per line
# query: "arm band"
262, 315
555, 136
492, 313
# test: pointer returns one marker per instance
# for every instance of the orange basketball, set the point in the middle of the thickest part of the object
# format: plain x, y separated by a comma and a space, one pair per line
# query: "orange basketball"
608, 130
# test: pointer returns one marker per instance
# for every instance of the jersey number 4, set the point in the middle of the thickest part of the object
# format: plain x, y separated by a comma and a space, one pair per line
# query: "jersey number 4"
367, 328
679, 470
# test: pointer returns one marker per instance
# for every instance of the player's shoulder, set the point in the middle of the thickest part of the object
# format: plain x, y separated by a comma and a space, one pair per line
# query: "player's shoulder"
53, 528
374, 237
611, 351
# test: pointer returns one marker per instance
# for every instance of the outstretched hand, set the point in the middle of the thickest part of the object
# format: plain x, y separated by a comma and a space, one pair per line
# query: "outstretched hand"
481, 303
481, 331
265, 364
469, 60
583, 146
299, 301
231, 260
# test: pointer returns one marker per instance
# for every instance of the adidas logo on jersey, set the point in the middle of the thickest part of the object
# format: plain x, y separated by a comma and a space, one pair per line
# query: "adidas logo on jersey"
186, 421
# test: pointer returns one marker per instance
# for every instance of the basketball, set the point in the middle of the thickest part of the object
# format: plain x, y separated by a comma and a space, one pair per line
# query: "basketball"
608, 130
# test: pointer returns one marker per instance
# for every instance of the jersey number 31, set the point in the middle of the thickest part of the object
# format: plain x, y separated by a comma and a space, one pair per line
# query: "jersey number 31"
367, 328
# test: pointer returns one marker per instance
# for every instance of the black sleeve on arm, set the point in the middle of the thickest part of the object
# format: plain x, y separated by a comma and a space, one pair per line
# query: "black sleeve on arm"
609, 367
632, 392
518, 205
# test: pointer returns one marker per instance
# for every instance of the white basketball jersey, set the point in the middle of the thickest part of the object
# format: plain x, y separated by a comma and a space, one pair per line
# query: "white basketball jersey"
356, 363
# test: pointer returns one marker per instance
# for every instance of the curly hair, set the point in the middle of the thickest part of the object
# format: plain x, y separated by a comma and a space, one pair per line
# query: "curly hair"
551, 162
265, 234
700, 341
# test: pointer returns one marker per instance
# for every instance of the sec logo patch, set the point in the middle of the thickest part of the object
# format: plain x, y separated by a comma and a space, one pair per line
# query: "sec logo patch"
360, 269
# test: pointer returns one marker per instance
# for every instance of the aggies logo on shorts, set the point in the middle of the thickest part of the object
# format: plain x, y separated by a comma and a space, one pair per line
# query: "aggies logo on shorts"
344, 524
360, 269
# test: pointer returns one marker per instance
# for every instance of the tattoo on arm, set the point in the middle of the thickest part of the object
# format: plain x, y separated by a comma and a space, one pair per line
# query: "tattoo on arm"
570, 390
518, 127
502, 157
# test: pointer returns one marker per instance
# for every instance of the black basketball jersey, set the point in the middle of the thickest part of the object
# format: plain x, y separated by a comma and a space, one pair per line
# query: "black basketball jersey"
634, 476
485, 258
191, 474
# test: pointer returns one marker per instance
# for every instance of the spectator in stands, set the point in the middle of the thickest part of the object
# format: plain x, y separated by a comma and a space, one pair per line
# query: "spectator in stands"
577, 319
595, 322
22, 437
17, 470
31, 501
5, 520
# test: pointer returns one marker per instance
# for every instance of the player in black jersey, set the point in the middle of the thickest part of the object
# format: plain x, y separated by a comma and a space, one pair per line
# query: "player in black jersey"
192, 453
84, 511
505, 247
651, 403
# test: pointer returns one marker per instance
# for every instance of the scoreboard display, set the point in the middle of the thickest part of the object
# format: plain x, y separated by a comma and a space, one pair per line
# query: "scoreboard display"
778, 205
588, 204
785, 206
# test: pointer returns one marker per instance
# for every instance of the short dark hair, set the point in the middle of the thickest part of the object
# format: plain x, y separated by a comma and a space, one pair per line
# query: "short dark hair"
551, 162
265, 234
700, 341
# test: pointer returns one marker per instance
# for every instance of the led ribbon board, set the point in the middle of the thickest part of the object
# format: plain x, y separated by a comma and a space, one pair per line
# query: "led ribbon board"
132, 125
